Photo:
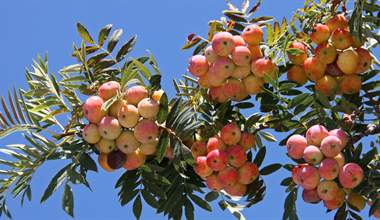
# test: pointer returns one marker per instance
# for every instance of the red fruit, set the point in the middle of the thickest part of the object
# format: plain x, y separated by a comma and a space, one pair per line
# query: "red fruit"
320, 34
247, 140
331, 146
238, 41
134, 160
341, 39
314, 68
210, 54
215, 143
228, 176
315, 134
217, 160
198, 65
312, 155
337, 202
238, 190
296, 145
236, 156
365, 60
201, 167
311, 196
135, 94
329, 169
248, 173
297, 74
146, 131
262, 67
198, 148
213, 183
92, 109
108, 90
241, 56
230, 134
342, 135
326, 52
327, 85
252, 34
116, 159
299, 58
223, 43
295, 177
351, 175
308, 177
221, 69
103, 162
327, 190
338, 21
332, 69
217, 94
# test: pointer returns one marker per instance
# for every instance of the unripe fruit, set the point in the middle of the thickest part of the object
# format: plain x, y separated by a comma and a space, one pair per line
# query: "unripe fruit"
327, 190
329, 169
298, 59
105, 146
237, 190
201, 168
149, 148
213, 183
108, 90
236, 156
232, 88
327, 85
331, 146
341, 39
230, 134
312, 155
262, 67
127, 142
356, 201
365, 60
339, 21
342, 135
116, 159
310, 196
314, 68
340, 160
134, 160
210, 54
308, 177
128, 116
228, 176
351, 175
252, 34
350, 84
247, 140
326, 53
146, 131
198, 65
296, 145
92, 109
115, 107
198, 148
248, 173
241, 56
315, 134
109, 128
348, 61
223, 43
156, 96
238, 41
297, 74
148, 108
217, 94
223, 68
135, 94
253, 84
320, 34
103, 162
337, 202
215, 143
217, 160
241, 72
91, 134
256, 52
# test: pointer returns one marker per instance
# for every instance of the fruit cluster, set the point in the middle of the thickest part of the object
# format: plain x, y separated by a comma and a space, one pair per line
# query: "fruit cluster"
233, 67
127, 132
322, 151
337, 61
222, 161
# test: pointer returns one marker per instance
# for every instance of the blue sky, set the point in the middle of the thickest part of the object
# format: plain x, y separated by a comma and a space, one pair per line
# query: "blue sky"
31, 27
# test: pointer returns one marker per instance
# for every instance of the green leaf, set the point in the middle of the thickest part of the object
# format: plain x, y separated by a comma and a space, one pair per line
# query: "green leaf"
143, 70
115, 37
270, 169
85, 35
260, 156
137, 207
103, 34
162, 145
268, 136
55, 183
164, 109
87, 162
211, 196
200, 202
189, 210
126, 48
294, 51
68, 201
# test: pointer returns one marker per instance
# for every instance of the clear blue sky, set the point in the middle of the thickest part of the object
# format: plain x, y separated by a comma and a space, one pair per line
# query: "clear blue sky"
31, 27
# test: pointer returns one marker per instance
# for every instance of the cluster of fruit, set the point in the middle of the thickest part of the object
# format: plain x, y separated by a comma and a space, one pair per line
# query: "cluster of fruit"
222, 161
126, 133
233, 67
337, 61
322, 151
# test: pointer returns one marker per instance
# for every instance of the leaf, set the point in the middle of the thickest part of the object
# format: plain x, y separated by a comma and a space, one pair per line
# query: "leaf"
200, 202
162, 145
137, 207
55, 183
115, 37
211, 196
126, 48
85, 35
260, 157
191, 42
164, 109
189, 210
140, 66
68, 201
268, 136
87, 162
103, 34
270, 169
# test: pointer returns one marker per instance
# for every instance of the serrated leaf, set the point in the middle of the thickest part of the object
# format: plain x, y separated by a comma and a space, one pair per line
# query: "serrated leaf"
85, 35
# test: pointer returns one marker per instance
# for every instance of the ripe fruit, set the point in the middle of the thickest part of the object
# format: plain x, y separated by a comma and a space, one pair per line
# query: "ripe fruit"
146, 131
213, 183
103, 162
109, 128
329, 169
332, 69
351, 175
299, 58
296, 145
255, 51
315, 134
348, 61
365, 60
237, 190
308, 177
331, 146
247, 140
232, 88
149, 148
314, 68
128, 116
230, 134
295, 176
148, 108
217, 160
238, 41
91, 134
320, 34
241, 72
356, 201
337, 202
241, 56
327, 190
312, 155
92, 109
198, 65
326, 53
116, 159
262, 67
169, 153
203, 81
350, 84
223, 43
340, 160
253, 84
105, 146
115, 107
236, 156
108, 90
297, 74
201, 167
127, 142
341, 134
338, 21
217, 94
341, 39
198, 148
221, 69
210, 54
310, 196
135, 94
134, 160
215, 143
248, 173
252, 34
228, 176
327, 85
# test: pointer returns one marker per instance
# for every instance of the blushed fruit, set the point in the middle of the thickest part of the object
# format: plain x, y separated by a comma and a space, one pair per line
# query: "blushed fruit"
351, 175
108, 90
223, 43
273, 75
217, 94
134, 160
223, 68
350, 84
320, 34
247, 140
232, 88
241, 72
215, 143
230, 134
115, 107
342, 135
332, 69
236, 156
348, 61
243, 94
326, 53
237, 190
341, 39
149, 148
262, 67
241, 56
213, 183
315, 134
312, 155
116, 159
340, 159
204, 82
103, 162
148, 108
109, 128
128, 116
217, 160
199, 148
327, 85
256, 52
252, 34
314, 68
156, 96
215, 79
135, 94
297, 74
365, 60
339, 21
329, 169
91, 134
301, 55
210, 54
253, 84
198, 65
201, 168
228, 176
248, 173
331, 146
327, 190
295, 176
308, 177
310, 196
92, 109
337, 201
127, 142
296, 145
238, 41
105, 146
356, 200
146, 131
